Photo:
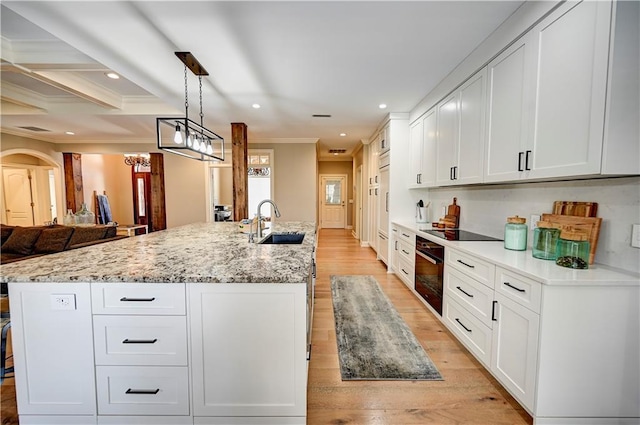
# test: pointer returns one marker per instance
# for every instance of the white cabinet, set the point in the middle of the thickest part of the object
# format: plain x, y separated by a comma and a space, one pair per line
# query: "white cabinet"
255, 364
406, 248
394, 253
384, 140
460, 133
53, 351
383, 209
547, 93
423, 150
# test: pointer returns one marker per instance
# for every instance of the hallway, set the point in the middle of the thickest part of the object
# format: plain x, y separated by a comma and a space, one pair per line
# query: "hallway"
468, 394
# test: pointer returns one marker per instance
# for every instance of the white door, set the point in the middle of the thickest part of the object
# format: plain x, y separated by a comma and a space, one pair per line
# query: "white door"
17, 197
332, 205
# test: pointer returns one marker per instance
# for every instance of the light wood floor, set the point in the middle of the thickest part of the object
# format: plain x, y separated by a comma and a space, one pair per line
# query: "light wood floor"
468, 394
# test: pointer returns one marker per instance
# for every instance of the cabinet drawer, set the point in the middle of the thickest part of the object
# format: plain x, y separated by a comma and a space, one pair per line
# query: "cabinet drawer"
138, 298
521, 289
407, 252
140, 340
478, 269
469, 330
132, 390
406, 272
407, 236
471, 294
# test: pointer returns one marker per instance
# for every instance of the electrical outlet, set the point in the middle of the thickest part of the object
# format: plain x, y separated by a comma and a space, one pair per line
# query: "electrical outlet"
63, 301
535, 218
635, 236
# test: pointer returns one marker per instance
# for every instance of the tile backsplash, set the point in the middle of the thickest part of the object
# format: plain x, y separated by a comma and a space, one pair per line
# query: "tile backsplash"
485, 208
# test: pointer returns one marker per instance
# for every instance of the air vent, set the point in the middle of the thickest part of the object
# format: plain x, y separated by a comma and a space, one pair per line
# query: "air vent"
321, 116
30, 128
337, 150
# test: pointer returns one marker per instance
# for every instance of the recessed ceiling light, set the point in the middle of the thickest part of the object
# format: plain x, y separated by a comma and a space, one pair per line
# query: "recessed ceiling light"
382, 106
112, 75
70, 133
343, 134
255, 106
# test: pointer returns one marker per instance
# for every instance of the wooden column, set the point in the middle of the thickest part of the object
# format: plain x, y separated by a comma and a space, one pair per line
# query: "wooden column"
73, 180
239, 164
158, 206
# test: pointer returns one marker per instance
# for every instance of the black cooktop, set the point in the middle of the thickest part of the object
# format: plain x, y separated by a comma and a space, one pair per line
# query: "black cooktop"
459, 235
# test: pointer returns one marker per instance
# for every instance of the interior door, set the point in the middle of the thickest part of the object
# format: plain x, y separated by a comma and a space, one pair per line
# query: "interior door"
17, 197
142, 198
332, 205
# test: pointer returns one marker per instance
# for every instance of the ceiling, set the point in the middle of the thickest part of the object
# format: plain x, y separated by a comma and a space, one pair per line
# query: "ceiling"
293, 58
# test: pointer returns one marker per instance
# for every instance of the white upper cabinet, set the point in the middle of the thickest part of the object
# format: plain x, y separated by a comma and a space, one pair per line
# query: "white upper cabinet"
422, 141
460, 134
384, 141
547, 94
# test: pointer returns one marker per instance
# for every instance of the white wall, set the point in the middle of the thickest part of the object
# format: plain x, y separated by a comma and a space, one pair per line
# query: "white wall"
485, 208
185, 191
108, 173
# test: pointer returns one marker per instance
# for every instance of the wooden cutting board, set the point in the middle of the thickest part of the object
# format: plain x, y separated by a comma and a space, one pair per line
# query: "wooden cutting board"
580, 209
590, 225
453, 212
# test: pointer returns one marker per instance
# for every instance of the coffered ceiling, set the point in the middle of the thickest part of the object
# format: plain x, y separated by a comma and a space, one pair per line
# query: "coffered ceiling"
294, 59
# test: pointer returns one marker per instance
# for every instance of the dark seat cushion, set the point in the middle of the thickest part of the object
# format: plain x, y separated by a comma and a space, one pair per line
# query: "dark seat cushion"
5, 232
53, 239
22, 240
86, 234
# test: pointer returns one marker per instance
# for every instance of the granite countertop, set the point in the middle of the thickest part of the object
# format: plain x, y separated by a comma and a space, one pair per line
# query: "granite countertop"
201, 252
524, 263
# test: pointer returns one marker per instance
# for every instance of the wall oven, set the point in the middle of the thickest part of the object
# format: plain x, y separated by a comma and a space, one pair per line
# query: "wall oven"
429, 268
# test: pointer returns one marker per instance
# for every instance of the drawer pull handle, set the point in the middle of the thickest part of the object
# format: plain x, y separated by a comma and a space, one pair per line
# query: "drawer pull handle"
132, 391
406, 252
513, 287
147, 300
140, 341
468, 265
465, 328
464, 292
493, 311
405, 272
405, 235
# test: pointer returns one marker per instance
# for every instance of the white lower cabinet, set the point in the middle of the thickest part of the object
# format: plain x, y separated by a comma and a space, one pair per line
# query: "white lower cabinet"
515, 349
499, 326
253, 366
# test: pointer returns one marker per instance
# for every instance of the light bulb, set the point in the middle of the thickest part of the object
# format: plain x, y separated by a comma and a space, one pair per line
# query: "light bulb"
189, 141
178, 136
196, 144
209, 149
203, 147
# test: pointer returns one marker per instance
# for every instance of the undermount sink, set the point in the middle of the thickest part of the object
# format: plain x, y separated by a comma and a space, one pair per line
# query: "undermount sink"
282, 238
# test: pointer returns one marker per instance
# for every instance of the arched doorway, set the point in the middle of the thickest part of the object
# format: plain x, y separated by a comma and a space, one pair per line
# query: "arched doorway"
31, 188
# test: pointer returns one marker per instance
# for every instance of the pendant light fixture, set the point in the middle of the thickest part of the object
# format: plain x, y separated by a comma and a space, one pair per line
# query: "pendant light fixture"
183, 136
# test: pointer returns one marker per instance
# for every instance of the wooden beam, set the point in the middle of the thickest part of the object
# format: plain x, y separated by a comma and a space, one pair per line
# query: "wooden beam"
73, 180
158, 206
240, 177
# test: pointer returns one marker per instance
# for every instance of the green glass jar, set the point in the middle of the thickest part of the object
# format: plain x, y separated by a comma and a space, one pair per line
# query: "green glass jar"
573, 249
515, 233
545, 240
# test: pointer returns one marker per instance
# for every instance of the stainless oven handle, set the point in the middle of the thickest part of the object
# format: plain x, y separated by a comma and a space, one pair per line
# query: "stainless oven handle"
429, 259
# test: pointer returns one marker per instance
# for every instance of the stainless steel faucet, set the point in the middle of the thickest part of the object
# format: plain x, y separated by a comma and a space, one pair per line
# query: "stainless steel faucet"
259, 227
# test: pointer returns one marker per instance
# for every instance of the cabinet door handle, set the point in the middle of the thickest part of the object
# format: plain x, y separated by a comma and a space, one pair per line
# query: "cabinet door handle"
493, 311
526, 161
395, 247
450, 173
455, 172
514, 287
468, 265
146, 300
376, 180
465, 328
520, 161
376, 190
140, 341
464, 292
132, 391
386, 202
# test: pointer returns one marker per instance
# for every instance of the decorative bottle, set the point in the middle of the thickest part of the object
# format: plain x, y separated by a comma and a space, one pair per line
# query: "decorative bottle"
515, 233
85, 217
69, 219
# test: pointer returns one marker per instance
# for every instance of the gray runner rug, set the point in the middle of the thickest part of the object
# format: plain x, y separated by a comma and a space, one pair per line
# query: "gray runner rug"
374, 343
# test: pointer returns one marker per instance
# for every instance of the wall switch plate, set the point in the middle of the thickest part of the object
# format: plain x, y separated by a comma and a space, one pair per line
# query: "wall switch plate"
535, 218
635, 236
63, 301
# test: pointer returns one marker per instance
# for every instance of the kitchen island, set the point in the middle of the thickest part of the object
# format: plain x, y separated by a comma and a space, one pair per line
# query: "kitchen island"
191, 325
